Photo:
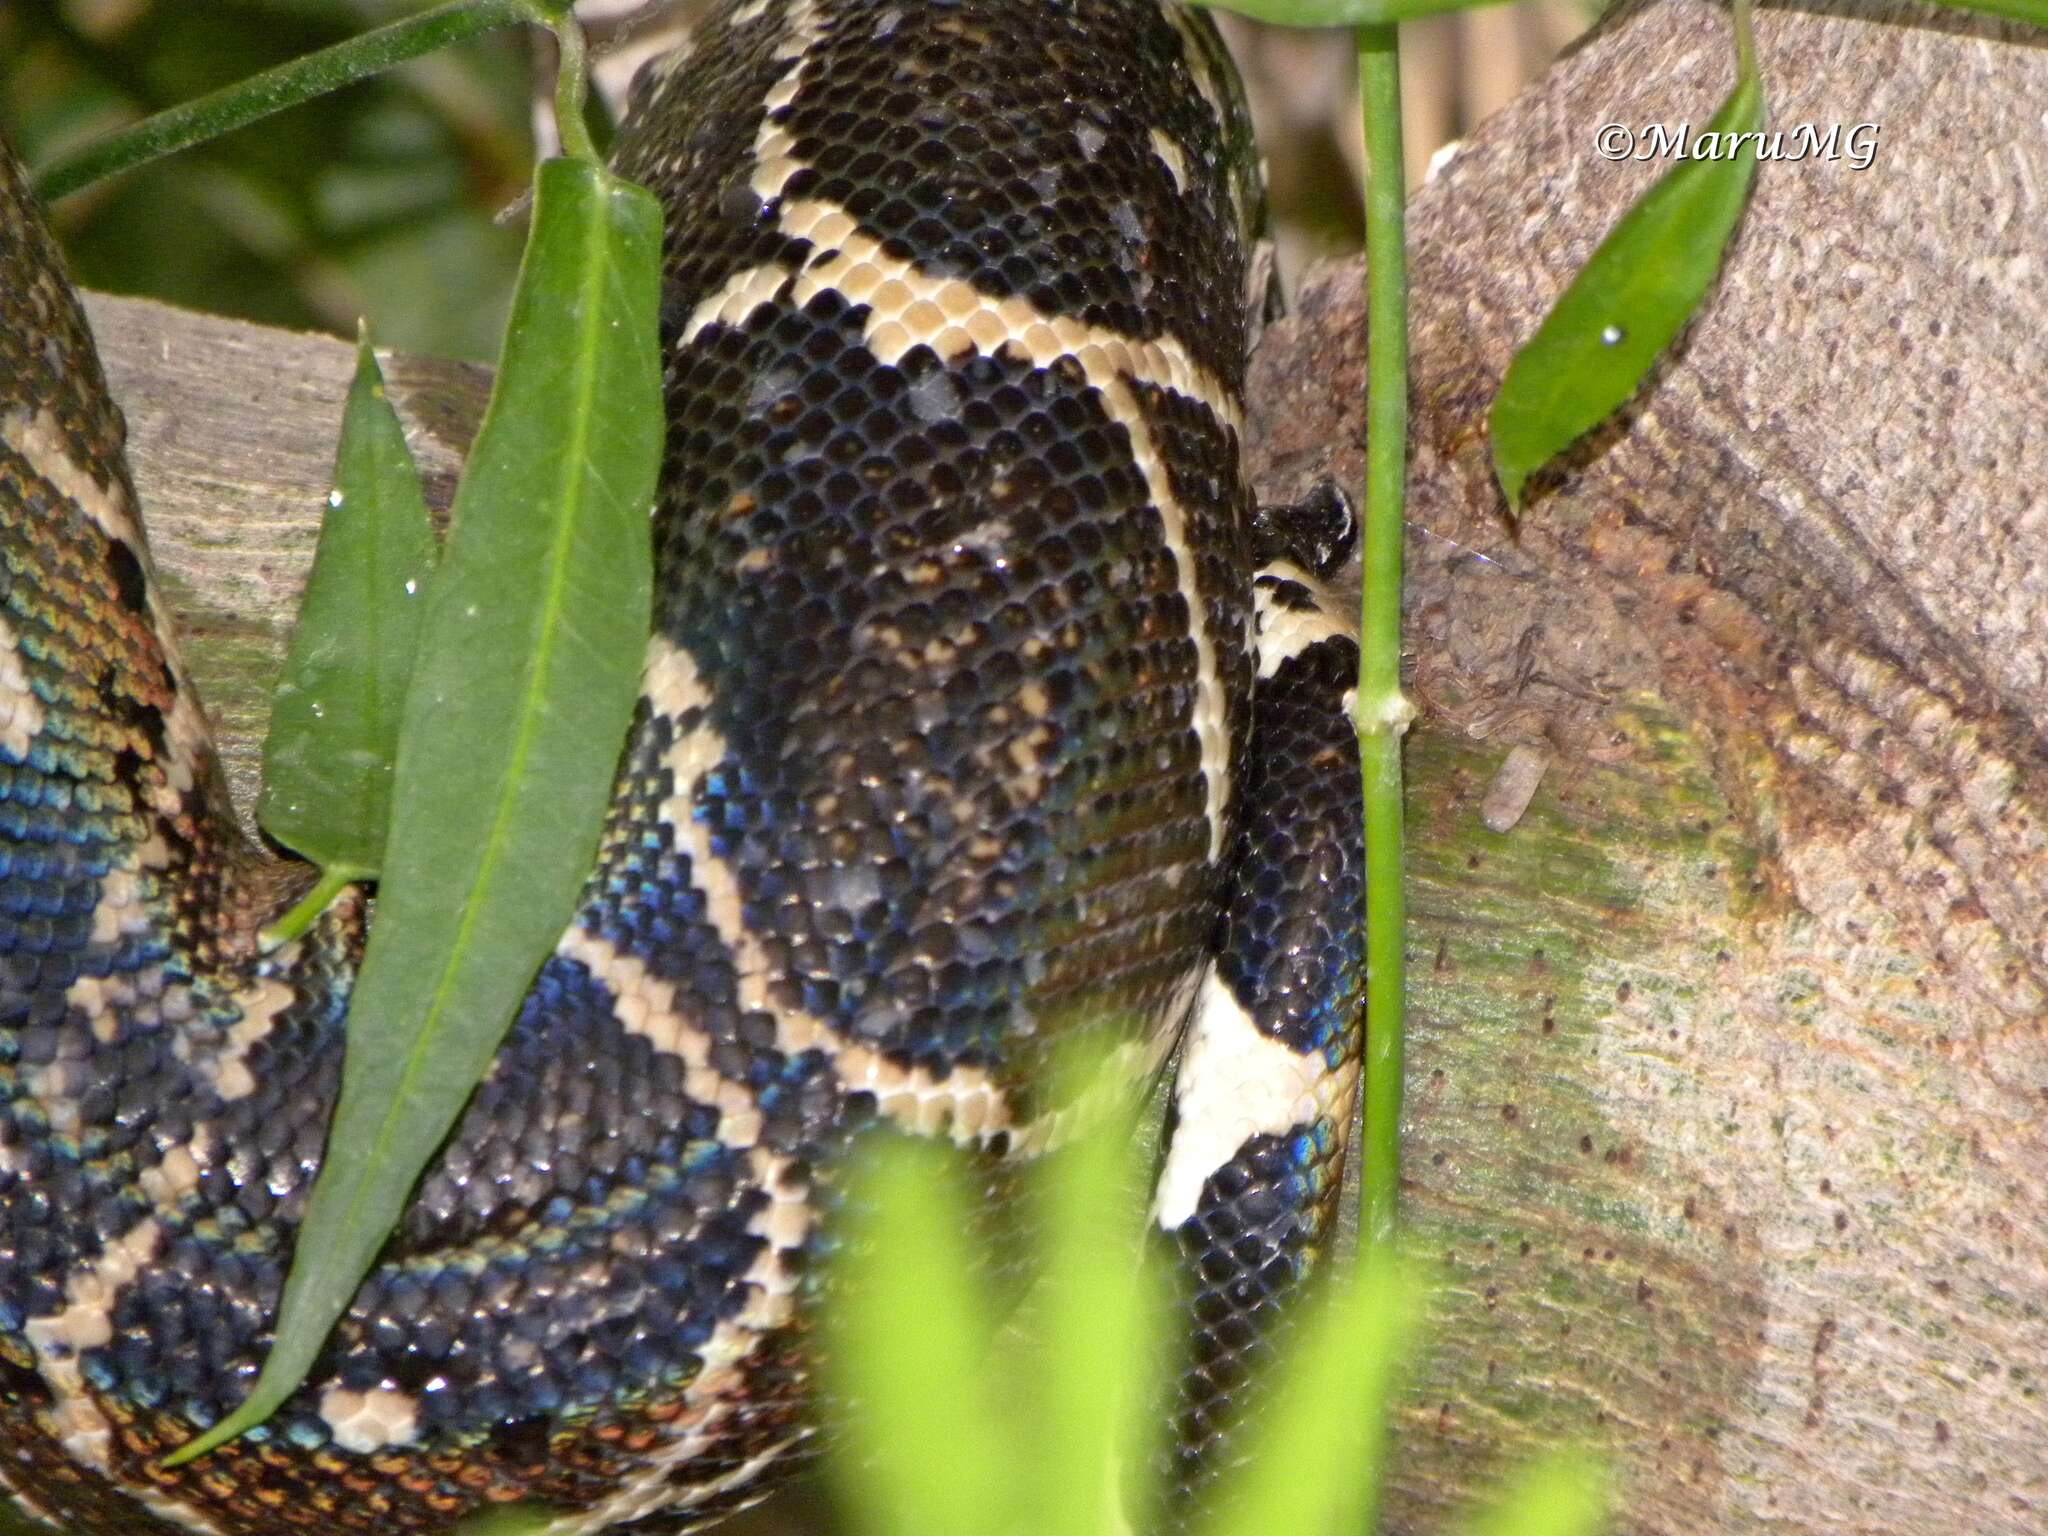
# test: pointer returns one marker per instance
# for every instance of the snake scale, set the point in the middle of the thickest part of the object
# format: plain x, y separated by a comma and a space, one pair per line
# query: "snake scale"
982, 711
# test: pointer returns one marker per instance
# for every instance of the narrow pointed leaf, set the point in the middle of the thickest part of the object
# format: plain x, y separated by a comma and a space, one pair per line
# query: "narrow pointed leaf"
1630, 299
906, 1343
1561, 1494
1100, 1342
1315, 1463
2034, 11
529, 663
334, 721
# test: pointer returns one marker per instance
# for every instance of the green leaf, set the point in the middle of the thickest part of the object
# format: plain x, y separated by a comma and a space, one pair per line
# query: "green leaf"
1346, 13
1630, 299
2035, 11
1315, 1462
1100, 1337
529, 665
334, 722
906, 1356
508, 1520
1561, 1494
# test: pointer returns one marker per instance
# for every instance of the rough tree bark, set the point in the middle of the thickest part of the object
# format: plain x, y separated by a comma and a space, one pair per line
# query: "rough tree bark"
1729, 1075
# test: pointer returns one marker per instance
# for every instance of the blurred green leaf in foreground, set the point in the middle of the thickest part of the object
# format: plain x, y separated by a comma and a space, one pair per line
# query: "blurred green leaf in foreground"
947, 1417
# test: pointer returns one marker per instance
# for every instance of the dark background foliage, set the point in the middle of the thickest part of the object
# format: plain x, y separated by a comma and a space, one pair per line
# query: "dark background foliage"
387, 200
378, 200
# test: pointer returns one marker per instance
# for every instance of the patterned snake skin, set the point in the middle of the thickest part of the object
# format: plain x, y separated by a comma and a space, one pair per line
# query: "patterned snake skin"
981, 712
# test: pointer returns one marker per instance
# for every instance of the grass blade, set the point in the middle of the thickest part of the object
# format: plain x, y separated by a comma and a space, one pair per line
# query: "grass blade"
2032, 11
1100, 1337
1562, 1494
1630, 299
1316, 1461
906, 1346
529, 664
328, 757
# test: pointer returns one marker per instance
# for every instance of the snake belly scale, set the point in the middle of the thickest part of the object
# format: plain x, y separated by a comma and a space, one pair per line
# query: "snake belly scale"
982, 711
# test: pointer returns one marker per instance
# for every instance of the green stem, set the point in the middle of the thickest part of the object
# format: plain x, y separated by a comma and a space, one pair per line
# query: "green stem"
308, 908
1382, 713
572, 84
273, 90
1745, 42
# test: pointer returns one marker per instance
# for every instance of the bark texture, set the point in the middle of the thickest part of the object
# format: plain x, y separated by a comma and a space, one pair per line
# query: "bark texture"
1729, 1075
1729, 1069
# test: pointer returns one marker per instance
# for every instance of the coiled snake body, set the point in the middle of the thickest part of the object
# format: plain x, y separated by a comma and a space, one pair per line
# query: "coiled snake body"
981, 710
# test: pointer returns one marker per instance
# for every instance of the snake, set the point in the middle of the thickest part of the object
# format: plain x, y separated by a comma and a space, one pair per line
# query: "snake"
984, 715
